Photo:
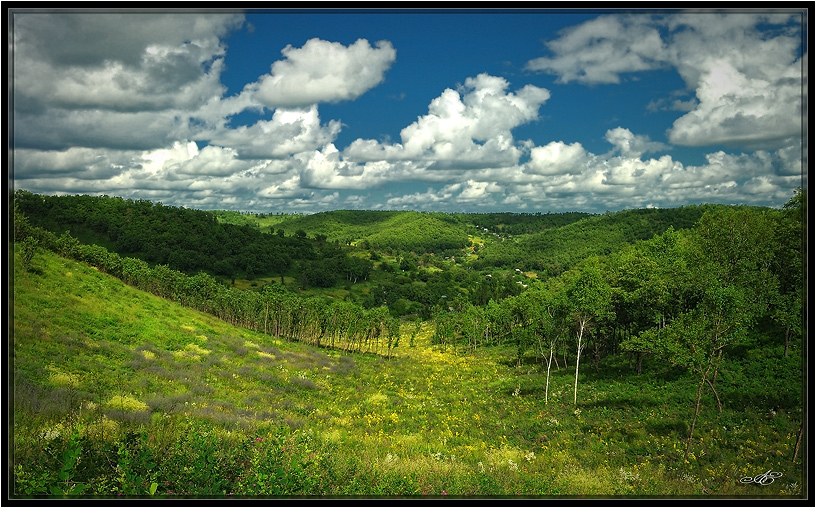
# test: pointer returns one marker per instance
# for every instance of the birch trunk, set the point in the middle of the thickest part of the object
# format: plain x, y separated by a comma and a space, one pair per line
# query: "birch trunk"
578, 360
547, 386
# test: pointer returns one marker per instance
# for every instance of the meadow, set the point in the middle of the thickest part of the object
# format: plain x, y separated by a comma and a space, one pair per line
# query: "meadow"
117, 392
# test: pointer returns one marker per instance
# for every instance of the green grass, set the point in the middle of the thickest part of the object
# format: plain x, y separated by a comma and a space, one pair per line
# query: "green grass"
118, 392
264, 223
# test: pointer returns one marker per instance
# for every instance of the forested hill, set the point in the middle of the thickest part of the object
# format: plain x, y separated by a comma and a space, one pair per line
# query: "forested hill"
184, 239
509, 223
337, 247
390, 231
544, 234
556, 249
672, 364
410, 231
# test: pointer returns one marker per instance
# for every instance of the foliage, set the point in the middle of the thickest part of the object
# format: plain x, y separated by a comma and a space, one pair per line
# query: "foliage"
262, 416
184, 239
556, 250
120, 391
386, 231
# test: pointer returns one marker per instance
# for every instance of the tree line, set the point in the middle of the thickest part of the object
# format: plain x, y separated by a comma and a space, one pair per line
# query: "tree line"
570, 238
188, 240
685, 298
274, 310
387, 231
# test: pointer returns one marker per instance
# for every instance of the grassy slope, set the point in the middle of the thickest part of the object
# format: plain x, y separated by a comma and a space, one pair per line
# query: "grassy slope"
386, 229
557, 249
339, 224
265, 223
88, 349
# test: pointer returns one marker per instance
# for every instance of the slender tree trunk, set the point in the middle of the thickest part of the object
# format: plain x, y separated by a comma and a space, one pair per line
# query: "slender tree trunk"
714, 380
787, 336
564, 353
696, 409
266, 318
575, 393
597, 355
716, 369
547, 386
577, 361
711, 384
798, 440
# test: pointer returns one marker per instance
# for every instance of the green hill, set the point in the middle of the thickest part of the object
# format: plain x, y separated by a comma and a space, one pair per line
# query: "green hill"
389, 231
227, 245
557, 249
117, 392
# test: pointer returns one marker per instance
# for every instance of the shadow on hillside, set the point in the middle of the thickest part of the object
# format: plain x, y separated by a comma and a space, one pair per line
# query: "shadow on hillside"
739, 400
636, 403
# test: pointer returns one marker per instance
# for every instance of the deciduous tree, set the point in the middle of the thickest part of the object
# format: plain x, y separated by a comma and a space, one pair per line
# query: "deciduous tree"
588, 300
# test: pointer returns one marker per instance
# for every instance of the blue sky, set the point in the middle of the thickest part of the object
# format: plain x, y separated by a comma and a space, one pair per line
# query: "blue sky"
483, 110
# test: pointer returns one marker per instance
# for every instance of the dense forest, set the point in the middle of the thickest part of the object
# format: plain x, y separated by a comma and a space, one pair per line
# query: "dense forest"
703, 291
189, 240
678, 251
408, 261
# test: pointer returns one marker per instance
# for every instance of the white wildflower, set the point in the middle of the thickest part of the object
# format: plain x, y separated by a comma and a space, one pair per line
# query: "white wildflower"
791, 489
627, 476
51, 434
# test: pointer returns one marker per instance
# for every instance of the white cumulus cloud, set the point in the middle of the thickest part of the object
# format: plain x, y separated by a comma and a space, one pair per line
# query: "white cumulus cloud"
600, 50
629, 144
465, 129
290, 131
745, 69
323, 71
557, 158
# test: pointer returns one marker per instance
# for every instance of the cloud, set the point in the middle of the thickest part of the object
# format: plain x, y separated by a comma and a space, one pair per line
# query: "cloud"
147, 62
637, 173
289, 188
426, 200
745, 70
213, 161
630, 145
478, 192
601, 49
721, 168
668, 104
70, 39
323, 71
557, 158
560, 176
79, 162
465, 129
140, 89
325, 169
145, 116
290, 131
757, 111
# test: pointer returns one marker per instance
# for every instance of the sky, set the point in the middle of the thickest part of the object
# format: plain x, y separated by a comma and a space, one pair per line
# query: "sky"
302, 111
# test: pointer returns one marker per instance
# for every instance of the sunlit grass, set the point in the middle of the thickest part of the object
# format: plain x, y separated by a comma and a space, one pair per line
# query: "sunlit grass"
205, 399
